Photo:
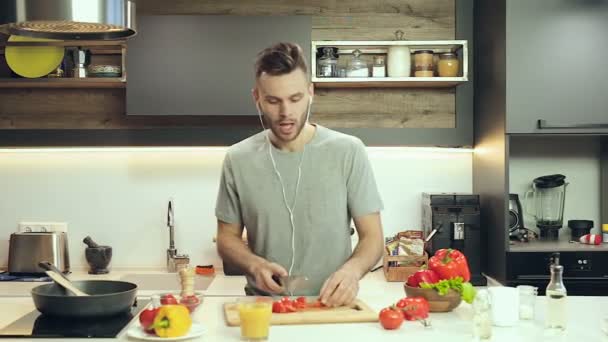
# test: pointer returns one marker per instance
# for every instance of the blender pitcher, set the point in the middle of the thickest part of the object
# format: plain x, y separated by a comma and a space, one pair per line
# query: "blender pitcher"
547, 198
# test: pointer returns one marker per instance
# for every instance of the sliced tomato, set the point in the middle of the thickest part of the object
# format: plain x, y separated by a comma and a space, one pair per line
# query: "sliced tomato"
278, 307
316, 304
290, 307
300, 303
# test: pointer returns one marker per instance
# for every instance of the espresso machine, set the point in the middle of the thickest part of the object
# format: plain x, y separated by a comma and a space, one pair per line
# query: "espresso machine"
454, 221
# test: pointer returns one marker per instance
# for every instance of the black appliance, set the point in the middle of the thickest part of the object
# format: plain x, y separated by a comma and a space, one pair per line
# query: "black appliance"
456, 219
579, 228
517, 230
585, 273
37, 325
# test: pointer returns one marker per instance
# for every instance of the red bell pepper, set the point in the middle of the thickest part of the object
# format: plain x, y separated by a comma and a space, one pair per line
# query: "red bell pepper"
146, 318
450, 263
422, 276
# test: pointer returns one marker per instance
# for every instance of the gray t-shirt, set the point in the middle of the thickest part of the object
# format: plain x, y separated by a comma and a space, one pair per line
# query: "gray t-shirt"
337, 183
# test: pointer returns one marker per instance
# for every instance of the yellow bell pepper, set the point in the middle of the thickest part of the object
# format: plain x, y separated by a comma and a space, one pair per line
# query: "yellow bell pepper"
172, 321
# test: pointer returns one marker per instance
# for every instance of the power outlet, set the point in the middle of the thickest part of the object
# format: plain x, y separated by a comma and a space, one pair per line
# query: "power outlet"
27, 227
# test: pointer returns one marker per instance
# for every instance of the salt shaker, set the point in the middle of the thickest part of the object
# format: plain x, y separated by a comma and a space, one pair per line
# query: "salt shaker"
482, 316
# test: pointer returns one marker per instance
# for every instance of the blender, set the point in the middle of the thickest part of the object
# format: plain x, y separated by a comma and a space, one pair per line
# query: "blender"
545, 202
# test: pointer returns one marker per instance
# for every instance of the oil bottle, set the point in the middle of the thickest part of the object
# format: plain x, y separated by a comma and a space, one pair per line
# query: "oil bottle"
557, 297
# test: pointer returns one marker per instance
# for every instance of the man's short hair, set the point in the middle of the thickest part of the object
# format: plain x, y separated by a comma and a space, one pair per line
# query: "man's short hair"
280, 59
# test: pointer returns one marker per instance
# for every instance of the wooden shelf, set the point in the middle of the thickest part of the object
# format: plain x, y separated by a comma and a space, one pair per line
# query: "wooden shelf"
92, 82
74, 43
381, 48
95, 50
387, 82
108, 51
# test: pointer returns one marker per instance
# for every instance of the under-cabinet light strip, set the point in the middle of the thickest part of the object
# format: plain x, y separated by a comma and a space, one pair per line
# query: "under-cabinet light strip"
210, 149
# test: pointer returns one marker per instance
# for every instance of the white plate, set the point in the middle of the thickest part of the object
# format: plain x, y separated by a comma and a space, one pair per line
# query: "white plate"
137, 332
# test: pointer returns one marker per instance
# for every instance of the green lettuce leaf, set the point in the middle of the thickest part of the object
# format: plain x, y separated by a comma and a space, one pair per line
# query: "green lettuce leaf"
466, 289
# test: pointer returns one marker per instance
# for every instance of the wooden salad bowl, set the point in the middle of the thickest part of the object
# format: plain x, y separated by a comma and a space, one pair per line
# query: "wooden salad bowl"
437, 303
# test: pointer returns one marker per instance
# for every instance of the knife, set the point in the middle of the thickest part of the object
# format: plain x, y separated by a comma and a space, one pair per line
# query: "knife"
292, 283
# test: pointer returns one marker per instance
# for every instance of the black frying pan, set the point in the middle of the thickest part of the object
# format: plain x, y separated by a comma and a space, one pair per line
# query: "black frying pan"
105, 298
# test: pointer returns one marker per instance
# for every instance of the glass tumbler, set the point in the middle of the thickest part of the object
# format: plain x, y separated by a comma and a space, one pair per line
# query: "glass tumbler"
527, 301
255, 314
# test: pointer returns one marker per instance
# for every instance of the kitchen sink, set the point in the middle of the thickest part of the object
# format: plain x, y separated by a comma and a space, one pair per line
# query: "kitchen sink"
164, 281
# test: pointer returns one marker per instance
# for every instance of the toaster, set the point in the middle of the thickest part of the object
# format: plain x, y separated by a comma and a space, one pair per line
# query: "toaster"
27, 249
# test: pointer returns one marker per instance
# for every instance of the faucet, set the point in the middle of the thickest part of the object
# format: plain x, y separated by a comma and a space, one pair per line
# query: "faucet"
174, 260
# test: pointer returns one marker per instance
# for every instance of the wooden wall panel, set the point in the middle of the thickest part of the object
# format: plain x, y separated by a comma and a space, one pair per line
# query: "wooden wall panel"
60, 108
332, 20
429, 8
385, 108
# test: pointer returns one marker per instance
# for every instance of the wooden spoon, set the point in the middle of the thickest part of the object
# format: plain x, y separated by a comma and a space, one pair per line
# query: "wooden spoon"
60, 279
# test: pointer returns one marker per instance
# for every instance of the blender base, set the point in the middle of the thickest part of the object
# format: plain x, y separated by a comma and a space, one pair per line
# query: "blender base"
549, 233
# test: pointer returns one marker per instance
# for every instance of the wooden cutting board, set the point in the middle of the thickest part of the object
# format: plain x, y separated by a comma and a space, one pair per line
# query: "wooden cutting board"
356, 312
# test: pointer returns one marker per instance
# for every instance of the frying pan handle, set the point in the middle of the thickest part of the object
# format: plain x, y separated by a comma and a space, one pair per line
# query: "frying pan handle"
50, 267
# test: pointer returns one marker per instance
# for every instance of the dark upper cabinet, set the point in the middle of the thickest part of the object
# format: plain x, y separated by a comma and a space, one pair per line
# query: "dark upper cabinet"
202, 65
555, 66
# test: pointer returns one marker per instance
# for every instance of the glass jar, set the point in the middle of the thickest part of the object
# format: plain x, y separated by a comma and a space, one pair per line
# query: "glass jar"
327, 66
423, 63
448, 65
527, 301
399, 58
379, 67
357, 67
482, 316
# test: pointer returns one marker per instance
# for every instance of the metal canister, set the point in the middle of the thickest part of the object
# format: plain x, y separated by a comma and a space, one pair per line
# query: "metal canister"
605, 232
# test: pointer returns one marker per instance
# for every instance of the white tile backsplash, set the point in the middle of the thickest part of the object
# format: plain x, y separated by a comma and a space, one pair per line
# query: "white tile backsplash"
119, 198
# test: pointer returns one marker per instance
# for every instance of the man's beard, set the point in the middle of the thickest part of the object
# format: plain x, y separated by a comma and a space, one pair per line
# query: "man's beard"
299, 125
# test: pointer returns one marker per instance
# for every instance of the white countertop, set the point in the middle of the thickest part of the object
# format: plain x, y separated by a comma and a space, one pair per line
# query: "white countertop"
585, 315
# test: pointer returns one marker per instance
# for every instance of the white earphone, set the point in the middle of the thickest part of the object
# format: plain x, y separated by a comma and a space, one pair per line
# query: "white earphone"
291, 209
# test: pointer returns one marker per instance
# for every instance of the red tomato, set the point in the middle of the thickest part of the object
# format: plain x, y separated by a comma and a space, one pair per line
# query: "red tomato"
390, 318
146, 318
414, 308
401, 304
168, 299
422, 276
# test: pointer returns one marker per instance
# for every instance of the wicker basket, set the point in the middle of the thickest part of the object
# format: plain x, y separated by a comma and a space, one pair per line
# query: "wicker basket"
401, 273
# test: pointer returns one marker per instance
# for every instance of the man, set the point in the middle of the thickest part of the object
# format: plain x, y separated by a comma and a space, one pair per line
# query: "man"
295, 186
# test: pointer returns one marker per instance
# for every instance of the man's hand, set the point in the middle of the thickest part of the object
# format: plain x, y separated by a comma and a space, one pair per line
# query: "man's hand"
263, 271
340, 288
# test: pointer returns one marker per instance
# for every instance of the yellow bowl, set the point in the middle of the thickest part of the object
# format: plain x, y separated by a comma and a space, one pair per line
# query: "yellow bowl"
437, 303
33, 61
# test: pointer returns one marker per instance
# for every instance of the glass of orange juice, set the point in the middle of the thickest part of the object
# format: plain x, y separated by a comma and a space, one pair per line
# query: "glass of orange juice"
255, 314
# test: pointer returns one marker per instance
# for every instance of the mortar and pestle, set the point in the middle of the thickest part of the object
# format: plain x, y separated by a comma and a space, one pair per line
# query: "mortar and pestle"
97, 256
